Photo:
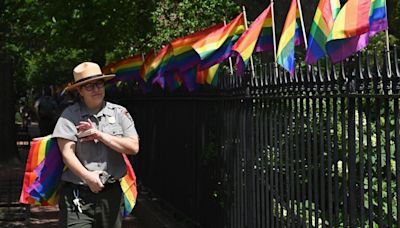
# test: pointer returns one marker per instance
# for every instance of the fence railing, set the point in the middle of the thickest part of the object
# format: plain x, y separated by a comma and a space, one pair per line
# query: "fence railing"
321, 148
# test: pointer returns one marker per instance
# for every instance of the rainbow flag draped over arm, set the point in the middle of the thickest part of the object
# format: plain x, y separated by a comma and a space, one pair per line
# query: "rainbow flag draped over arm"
258, 37
217, 46
350, 30
290, 37
325, 15
43, 172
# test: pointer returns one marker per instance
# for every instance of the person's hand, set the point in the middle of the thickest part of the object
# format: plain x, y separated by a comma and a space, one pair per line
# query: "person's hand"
86, 125
92, 179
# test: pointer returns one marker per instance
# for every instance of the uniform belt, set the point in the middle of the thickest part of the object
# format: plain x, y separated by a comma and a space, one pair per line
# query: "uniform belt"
82, 187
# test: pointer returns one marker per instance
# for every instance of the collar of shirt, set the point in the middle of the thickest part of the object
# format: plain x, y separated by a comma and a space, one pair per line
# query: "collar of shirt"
106, 110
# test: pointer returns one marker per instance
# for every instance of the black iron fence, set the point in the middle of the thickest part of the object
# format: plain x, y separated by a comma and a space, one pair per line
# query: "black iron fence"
320, 149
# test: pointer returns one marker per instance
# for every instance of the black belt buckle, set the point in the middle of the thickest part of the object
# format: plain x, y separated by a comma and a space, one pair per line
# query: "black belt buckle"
106, 178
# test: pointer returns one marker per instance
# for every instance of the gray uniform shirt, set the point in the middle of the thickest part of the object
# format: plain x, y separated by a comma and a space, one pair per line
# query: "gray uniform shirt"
112, 119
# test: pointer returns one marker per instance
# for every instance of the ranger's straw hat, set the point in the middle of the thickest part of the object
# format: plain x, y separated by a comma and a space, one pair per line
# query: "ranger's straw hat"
87, 72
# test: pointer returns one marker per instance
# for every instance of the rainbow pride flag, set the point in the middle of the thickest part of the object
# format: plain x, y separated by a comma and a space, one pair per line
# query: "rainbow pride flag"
43, 171
350, 30
179, 71
127, 69
217, 46
290, 37
184, 56
153, 66
321, 27
209, 76
252, 39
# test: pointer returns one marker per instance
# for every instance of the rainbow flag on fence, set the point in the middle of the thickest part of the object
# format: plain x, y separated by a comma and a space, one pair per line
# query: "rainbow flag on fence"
184, 56
252, 37
185, 59
325, 15
290, 37
217, 46
209, 76
128, 69
153, 65
43, 172
350, 30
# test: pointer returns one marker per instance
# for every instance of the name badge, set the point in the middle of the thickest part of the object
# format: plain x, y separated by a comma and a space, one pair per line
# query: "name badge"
111, 119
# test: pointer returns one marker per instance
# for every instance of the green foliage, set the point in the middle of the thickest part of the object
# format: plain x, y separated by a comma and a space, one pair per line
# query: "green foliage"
173, 19
47, 39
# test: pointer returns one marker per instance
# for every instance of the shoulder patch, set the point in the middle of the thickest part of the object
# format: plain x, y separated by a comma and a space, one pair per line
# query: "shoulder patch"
126, 113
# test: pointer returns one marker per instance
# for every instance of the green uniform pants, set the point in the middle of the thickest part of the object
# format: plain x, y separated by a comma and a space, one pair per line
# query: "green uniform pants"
103, 209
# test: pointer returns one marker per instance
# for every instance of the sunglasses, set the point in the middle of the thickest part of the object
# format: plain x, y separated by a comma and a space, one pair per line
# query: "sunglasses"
90, 86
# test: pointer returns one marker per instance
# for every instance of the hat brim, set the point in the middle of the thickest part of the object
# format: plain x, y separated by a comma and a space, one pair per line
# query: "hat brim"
73, 86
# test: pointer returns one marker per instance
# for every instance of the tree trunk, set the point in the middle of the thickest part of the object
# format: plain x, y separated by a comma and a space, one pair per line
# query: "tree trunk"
7, 114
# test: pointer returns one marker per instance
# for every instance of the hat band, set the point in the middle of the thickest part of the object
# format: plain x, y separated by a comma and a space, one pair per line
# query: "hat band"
87, 78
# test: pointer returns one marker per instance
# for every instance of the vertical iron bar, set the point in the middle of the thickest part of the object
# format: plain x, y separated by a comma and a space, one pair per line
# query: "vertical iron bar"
291, 162
352, 162
379, 161
302, 164
321, 153
388, 163
287, 156
335, 160
361, 159
344, 160
309, 161
314, 159
329, 160
369, 162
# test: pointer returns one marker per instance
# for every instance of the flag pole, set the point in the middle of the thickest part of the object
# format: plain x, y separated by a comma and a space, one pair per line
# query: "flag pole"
387, 42
302, 24
274, 36
246, 27
230, 59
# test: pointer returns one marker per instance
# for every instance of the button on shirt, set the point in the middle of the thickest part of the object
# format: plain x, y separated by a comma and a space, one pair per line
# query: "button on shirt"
112, 119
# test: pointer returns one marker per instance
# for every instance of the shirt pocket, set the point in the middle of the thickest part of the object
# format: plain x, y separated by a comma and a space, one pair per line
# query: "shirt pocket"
113, 129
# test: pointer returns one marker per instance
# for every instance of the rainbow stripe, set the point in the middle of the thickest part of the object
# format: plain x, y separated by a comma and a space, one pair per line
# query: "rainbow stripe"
43, 171
377, 17
325, 15
184, 56
217, 46
291, 37
37, 152
209, 76
253, 38
128, 69
153, 66
350, 30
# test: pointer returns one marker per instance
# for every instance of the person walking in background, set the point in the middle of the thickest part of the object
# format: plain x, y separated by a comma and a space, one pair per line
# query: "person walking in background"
92, 135
46, 108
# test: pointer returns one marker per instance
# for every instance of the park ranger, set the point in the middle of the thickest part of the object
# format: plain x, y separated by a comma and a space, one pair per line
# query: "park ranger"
92, 135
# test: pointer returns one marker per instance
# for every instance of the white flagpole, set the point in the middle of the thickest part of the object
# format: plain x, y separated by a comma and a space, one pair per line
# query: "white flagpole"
387, 43
230, 60
302, 24
251, 56
274, 37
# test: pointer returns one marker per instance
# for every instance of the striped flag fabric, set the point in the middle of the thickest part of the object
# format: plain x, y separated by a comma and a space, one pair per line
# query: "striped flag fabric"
350, 30
153, 66
209, 76
216, 46
321, 27
126, 69
254, 40
43, 172
290, 37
